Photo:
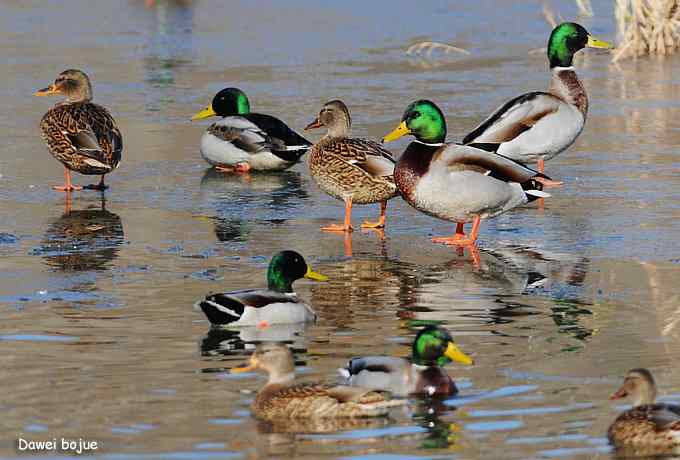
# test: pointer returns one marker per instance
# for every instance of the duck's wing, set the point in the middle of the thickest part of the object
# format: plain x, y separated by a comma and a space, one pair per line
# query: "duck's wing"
228, 307
377, 364
467, 157
281, 137
364, 154
106, 131
665, 416
514, 117
70, 131
241, 133
488, 163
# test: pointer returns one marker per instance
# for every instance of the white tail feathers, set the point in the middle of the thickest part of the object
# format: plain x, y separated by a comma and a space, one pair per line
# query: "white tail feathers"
538, 193
96, 164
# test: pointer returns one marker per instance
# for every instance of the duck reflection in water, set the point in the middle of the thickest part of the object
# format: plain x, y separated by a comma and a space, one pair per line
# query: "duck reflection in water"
223, 342
431, 414
238, 200
168, 50
85, 239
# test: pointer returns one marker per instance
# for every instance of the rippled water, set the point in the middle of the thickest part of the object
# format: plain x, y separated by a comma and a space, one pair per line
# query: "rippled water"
99, 339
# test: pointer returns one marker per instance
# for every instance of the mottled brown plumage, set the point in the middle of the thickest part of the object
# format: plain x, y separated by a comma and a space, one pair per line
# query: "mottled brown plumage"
82, 135
648, 428
350, 169
283, 398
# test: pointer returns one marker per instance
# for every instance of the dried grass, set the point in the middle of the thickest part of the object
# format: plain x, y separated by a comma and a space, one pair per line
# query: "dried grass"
647, 27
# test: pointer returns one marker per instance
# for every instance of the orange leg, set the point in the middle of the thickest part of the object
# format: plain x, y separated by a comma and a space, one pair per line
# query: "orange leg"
347, 227
68, 186
459, 238
67, 204
541, 166
347, 244
381, 222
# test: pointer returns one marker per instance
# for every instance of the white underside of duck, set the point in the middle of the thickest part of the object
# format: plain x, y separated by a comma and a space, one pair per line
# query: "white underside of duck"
219, 152
459, 196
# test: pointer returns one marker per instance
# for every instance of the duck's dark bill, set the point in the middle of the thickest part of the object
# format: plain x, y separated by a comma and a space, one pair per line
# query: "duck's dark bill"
313, 125
49, 91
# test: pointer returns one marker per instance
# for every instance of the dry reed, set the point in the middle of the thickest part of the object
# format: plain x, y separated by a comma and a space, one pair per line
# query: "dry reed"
647, 27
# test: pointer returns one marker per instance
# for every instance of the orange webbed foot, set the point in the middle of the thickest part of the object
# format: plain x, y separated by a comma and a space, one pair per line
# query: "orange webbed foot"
376, 225
337, 228
455, 240
548, 183
67, 188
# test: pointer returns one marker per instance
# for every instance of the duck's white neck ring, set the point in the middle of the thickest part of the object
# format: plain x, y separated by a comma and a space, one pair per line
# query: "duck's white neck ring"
434, 144
561, 69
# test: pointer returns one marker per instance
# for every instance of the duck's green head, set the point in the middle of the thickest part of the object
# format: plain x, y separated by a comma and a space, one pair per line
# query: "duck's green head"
229, 101
568, 38
422, 119
434, 346
286, 267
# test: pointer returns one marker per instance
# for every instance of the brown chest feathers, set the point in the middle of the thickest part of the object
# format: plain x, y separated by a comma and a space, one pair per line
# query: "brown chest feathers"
566, 85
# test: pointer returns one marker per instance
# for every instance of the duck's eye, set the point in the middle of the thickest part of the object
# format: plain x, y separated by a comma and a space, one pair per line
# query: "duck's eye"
416, 114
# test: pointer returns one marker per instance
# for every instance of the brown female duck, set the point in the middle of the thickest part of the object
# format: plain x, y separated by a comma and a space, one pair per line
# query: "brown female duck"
82, 135
649, 428
283, 398
350, 169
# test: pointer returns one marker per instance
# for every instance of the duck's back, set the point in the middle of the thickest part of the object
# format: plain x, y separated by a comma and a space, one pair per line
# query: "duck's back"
349, 167
652, 428
83, 130
316, 400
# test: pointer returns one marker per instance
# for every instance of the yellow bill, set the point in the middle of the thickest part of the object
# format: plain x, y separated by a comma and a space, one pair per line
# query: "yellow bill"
401, 130
312, 275
453, 353
252, 365
49, 91
595, 43
205, 113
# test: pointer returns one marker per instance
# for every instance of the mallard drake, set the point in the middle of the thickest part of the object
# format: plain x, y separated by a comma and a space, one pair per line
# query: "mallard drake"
648, 428
456, 182
432, 348
356, 171
284, 398
536, 126
82, 135
243, 140
277, 304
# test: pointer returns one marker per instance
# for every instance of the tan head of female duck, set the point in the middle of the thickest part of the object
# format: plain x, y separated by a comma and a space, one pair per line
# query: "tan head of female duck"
334, 115
638, 384
74, 84
275, 359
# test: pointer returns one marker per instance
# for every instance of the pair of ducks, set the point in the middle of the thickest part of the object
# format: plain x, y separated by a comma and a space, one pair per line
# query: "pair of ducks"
486, 173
